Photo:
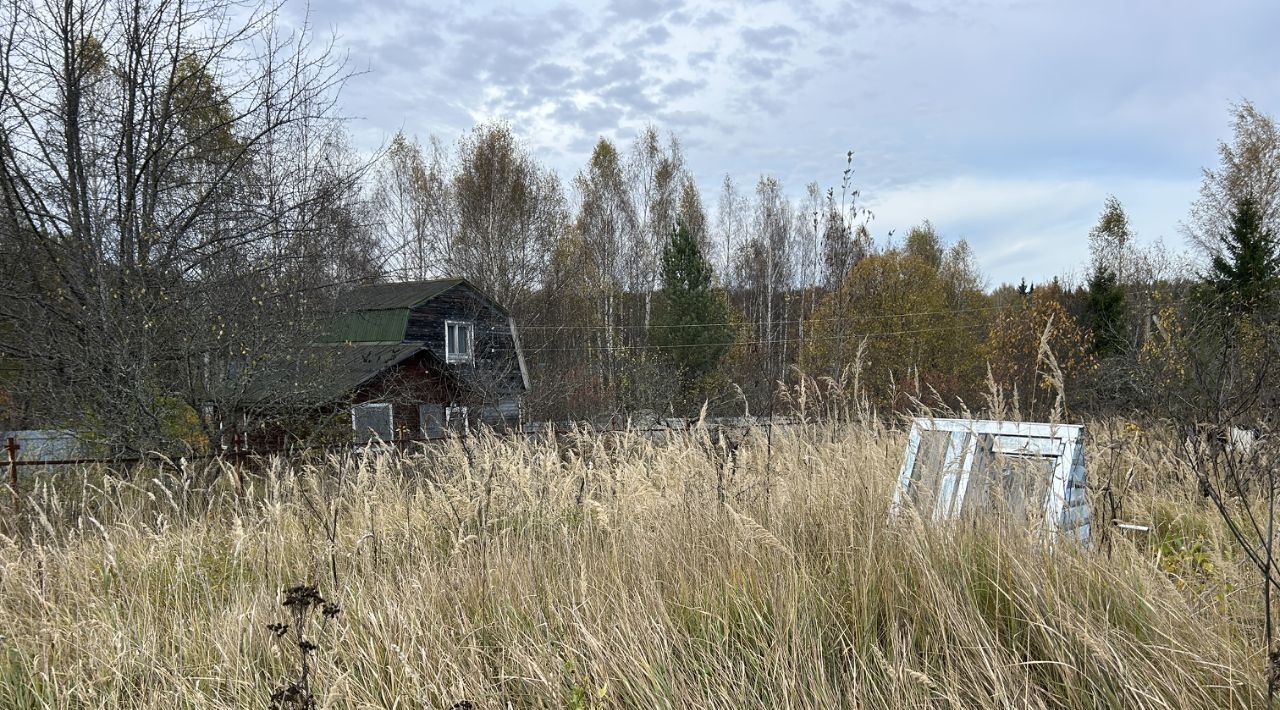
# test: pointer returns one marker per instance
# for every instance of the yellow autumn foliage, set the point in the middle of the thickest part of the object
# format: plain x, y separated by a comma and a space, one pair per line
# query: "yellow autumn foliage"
1019, 363
916, 330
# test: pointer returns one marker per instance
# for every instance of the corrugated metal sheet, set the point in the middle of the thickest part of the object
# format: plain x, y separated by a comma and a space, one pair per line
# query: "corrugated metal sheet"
375, 326
405, 294
331, 372
47, 444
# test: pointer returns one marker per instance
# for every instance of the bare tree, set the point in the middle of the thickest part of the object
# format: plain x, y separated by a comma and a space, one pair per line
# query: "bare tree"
1233, 455
606, 222
166, 173
763, 281
403, 192
730, 212
1248, 166
494, 213
845, 237
655, 173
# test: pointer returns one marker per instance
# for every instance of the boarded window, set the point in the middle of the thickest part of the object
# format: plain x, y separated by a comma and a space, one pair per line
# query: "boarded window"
509, 408
490, 415
372, 420
1033, 472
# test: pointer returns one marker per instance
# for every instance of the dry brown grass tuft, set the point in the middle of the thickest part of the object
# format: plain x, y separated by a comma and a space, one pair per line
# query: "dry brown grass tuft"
606, 572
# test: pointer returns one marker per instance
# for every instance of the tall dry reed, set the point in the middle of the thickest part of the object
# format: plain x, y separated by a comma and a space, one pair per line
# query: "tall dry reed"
619, 571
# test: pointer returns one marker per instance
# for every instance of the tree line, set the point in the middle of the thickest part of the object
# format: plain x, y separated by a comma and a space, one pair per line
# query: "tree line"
181, 204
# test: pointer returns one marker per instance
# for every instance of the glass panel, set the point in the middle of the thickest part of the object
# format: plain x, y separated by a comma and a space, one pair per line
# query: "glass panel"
1010, 473
927, 471
372, 420
431, 419
457, 340
977, 494
1023, 484
952, 470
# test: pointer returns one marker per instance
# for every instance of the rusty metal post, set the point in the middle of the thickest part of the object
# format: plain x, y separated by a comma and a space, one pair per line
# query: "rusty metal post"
235, 462
12, 448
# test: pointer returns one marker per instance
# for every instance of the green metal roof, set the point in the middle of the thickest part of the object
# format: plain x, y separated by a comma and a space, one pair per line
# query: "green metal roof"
327, 373
405, 294
346, 367
385, 325
379, 313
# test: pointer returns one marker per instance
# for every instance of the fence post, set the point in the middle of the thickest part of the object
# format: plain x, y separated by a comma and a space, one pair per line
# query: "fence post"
12, 448
235, 462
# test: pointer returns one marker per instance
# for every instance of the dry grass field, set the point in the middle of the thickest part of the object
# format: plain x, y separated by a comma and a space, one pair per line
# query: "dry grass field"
619, 571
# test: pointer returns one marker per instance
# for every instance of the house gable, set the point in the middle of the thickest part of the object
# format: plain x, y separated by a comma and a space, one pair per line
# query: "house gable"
417, 312
389, 342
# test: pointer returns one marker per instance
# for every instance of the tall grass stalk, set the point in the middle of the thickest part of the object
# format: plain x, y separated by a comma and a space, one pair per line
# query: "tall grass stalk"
618, 571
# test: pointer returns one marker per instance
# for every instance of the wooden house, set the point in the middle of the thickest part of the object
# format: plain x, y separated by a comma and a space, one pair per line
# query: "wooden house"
413, 360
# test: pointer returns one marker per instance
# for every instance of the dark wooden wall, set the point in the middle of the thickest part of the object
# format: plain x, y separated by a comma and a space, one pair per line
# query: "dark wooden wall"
493, 380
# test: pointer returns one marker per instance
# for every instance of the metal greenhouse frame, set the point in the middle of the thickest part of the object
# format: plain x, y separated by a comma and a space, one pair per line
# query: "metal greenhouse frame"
953, 467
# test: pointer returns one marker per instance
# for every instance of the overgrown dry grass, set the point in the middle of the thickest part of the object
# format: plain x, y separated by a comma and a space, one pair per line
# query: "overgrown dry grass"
619, 571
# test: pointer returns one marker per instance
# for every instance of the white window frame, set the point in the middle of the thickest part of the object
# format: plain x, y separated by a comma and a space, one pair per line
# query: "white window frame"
469, 356
391, 422
1063, 443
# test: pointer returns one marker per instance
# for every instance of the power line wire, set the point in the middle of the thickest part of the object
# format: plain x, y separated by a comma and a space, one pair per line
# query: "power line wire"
775, 341
753, 324
882, 316
779, 341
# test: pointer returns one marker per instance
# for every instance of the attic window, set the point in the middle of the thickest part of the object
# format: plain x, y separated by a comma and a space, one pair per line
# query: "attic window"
960, 467
457, 339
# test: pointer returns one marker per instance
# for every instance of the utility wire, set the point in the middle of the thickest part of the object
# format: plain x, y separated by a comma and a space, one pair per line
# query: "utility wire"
846, 336
882, 316
779, 341
753, 324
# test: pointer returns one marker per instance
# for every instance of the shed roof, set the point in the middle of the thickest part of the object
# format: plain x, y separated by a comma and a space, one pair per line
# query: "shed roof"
349, 366
343, 367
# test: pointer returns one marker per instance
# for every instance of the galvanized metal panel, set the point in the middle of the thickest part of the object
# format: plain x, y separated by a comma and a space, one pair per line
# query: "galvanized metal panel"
372, 420
47, 444
431, 420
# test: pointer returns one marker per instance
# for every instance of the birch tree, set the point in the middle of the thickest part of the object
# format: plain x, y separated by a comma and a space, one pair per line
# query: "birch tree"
165, 171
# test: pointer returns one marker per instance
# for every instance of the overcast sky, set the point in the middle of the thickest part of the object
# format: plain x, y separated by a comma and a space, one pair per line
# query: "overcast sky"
1004, 122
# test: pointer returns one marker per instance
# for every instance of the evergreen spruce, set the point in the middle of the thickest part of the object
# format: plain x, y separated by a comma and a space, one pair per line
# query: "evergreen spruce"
1109, 244
1245, 272
691, 318
1106, 311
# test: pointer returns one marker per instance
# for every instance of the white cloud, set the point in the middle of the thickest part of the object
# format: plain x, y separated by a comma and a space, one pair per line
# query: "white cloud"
1004, 121
1031, 227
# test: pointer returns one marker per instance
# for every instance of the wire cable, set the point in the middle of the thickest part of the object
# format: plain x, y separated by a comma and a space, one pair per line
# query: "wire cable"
772, 341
